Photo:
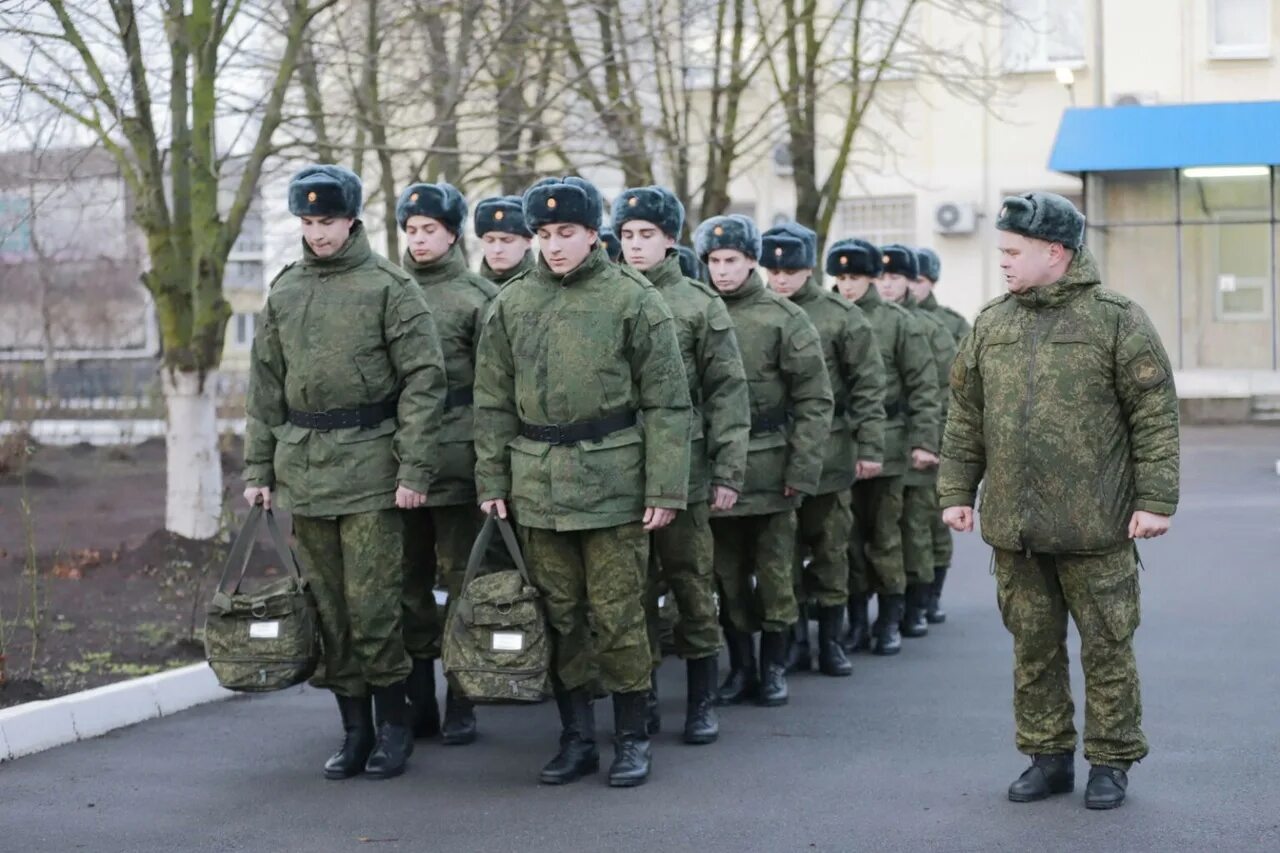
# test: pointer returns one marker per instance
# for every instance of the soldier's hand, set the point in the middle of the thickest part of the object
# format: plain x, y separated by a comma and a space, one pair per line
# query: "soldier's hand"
407, 498
723, 498
253, 493
656, 518
788, 492
497, 505
867, 470
958, 518
1148, 525
923, 460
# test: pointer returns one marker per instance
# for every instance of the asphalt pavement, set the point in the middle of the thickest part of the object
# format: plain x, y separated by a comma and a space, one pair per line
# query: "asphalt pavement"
912, 753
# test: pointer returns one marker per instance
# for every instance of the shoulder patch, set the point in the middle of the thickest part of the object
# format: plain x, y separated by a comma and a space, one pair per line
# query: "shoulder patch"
284, 269
1145, 370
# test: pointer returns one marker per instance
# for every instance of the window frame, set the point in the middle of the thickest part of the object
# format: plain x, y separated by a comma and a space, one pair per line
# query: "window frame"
1041, 62
1260, 50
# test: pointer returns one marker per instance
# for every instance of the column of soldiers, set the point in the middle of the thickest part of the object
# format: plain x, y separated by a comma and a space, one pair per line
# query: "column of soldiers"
657, 420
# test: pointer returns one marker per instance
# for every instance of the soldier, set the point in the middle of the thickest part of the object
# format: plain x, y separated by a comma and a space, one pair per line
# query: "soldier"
912, 408
1063, 403
505, 236
649, 220
791, 409
582, 422
856, 443
955, 323
920, 493
612, 245
440, 535
346, 391
690, 266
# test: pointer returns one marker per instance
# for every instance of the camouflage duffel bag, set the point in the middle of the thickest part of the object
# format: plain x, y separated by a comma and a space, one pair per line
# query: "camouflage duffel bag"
267, 639
496, 648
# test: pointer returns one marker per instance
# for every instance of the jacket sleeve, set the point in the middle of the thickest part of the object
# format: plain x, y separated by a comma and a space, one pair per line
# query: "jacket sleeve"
1144, 383
726, 407
657, 369
922, 394
413, 346
865, 371
810, 400
497, 422
266, 406
964, 450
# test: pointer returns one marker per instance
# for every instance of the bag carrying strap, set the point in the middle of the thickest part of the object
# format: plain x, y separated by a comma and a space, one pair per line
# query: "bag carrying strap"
476, 560
242, 548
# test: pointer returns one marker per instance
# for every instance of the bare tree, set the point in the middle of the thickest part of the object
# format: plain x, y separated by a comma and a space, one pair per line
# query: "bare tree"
110, 68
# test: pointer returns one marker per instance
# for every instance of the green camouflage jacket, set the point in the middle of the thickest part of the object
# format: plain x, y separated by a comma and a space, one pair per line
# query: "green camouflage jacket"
717, 384
501, 278
458, 299
570, 349
857, 384
955, 322
342, 332
788, 384
912, 396
943, 346
1063, 400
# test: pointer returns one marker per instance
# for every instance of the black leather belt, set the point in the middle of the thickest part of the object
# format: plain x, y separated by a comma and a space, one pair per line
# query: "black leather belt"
892, 410
768, 421
458, 397
581, 431
363, 417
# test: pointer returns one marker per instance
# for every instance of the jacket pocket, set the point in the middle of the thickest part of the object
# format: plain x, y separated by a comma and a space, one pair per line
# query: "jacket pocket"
766, 462
610, 473
366, 457
530, 471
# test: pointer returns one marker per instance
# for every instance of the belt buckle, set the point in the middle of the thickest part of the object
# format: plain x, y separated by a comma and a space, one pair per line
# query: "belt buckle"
554, 436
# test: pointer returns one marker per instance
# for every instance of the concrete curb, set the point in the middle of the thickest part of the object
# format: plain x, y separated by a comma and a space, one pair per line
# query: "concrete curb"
37, 726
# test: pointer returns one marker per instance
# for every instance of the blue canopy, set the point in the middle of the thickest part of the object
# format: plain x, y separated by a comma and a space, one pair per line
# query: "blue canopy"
1117, 139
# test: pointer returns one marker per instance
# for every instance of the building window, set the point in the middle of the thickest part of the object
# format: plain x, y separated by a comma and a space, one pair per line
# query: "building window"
1040, 35
1240, 29
15, 225
880, 219
242, 337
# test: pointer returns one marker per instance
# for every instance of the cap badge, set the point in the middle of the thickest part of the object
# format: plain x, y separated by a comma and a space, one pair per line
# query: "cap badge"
718, 231
311, 196
498, 215
551, 204
413, 198
633, 201
844, 260
777, 253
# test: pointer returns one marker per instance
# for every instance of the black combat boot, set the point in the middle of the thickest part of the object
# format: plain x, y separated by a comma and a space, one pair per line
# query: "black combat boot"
773, 668
858, 637
914, 623
424, 713
799, 655
652, 710
935, 614
701, 723
1106, 788
831, 659
631, 752
357, 740
459, 719
578, 755
743, 681
888, 640
1050, 773
395, 740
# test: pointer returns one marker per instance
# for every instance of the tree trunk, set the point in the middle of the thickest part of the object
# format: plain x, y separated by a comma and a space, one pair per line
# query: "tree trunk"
193, 500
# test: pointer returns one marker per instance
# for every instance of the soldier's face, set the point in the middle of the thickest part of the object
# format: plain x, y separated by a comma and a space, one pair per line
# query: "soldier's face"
428, 238
920, 289
892, 286
325, 235
787, 282
504, 251
1026, 262
729, 269
853, 287
564, 245
644, 244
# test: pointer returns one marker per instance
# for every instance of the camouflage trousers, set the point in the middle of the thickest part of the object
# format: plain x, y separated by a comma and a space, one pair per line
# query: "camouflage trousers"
437, 543
942, 546
759, 549
1100, 592
824, 524
593, 584
875, 544
354, 564
919, 510
681, 563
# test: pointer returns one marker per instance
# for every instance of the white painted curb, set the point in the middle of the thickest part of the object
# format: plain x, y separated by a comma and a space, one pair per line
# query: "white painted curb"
37, 726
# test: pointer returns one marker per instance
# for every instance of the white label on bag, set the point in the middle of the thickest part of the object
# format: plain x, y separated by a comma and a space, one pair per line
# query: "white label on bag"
264, 630
506, 641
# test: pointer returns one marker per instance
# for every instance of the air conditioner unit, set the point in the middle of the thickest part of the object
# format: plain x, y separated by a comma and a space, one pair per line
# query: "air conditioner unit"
954, 217
1136, 99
